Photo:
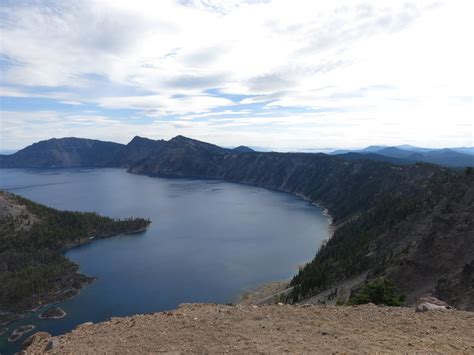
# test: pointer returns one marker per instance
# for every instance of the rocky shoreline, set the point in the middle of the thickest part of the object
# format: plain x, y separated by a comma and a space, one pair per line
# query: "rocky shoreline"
18, 332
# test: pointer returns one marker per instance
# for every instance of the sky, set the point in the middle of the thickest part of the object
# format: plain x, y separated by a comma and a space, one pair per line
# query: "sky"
281, 74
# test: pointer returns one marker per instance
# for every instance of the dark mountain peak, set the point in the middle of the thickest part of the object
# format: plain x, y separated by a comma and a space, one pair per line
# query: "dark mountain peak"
373, 148
142, 140
194, 145
181, 138
138, 139
390, 149
243, 149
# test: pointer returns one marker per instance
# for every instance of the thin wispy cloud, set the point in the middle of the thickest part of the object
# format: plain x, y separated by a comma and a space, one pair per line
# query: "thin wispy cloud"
284, 74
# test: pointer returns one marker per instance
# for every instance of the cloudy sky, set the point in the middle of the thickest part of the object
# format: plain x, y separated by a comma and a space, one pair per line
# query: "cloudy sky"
281, 74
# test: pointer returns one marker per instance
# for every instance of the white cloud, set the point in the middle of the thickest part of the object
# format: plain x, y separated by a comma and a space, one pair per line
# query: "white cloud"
164, 105
343, 73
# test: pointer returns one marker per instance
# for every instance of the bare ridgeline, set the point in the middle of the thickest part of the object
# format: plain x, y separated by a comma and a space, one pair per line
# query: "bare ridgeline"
409, 223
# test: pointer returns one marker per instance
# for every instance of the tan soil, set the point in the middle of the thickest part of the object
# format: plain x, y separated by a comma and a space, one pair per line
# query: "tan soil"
199, 328
267, 293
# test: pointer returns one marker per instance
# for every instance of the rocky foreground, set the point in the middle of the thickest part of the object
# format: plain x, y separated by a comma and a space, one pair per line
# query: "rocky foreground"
206, 328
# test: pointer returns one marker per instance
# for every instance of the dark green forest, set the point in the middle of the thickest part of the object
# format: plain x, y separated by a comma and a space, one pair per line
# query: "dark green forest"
32, 267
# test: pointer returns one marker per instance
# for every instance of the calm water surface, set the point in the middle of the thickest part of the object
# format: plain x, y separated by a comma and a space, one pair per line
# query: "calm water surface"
208, 241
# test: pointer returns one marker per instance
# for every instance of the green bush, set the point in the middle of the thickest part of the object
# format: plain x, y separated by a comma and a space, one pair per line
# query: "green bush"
380, 291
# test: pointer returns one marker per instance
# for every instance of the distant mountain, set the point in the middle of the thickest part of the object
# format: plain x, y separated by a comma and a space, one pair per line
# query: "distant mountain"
373, 148
374, 157
409, 154
243, 149
395, 152
412, 148
65, 152
79, 152
464, 150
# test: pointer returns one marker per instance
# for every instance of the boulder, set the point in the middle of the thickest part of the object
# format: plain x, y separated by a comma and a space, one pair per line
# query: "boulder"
432, 300
425, 304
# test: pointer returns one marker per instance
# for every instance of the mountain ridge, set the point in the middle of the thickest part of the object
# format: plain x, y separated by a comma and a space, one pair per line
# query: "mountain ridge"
83, 152
452, 157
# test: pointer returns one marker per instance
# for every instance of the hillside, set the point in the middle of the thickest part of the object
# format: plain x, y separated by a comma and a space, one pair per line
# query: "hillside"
198, 328
33, 270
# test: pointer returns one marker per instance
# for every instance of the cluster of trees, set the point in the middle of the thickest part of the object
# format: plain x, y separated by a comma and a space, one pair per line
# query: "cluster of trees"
31, 263
381, 291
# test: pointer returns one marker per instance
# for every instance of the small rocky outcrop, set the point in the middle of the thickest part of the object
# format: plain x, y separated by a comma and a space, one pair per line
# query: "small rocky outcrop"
37, 341
426, 304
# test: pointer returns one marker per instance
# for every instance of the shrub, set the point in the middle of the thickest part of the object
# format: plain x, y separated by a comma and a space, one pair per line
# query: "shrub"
380, 291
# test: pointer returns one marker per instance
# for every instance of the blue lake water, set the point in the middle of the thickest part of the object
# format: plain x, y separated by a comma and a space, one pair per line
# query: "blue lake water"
208, 241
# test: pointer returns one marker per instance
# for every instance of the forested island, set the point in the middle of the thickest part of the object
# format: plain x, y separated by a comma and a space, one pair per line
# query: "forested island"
33, 270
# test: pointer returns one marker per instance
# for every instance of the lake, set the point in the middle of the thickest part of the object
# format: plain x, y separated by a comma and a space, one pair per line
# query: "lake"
208, 242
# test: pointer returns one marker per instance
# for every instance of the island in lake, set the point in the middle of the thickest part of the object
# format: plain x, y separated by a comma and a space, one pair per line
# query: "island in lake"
53, 313
33, 271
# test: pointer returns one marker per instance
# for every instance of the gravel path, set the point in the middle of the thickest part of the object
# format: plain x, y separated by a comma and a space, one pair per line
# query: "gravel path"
199, 328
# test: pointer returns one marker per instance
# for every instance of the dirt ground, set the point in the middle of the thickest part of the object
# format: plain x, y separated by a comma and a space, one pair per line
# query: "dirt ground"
206, 328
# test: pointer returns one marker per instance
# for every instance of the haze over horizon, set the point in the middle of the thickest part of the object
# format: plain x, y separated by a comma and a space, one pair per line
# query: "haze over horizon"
278, 74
